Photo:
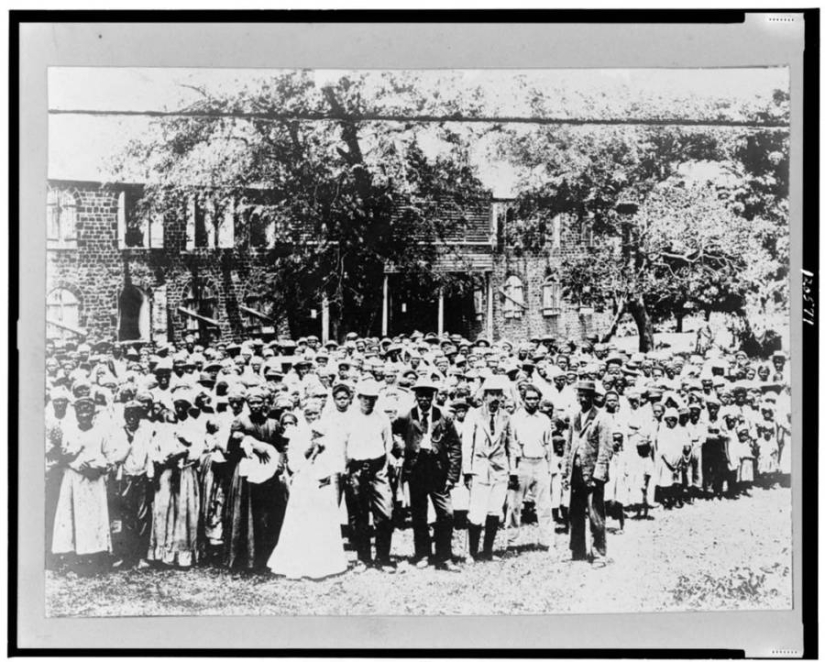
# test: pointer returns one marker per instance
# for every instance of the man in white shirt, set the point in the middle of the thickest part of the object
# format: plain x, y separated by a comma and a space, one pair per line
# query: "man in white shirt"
533, 437
367, 447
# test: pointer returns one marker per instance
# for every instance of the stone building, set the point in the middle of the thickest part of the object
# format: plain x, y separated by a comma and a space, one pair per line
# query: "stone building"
112, 277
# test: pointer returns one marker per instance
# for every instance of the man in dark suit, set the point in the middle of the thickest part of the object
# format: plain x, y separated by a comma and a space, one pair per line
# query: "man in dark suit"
431, 450
587, 456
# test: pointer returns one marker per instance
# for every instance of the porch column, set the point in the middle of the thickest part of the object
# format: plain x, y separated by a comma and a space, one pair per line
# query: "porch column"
324, 318
385, 307
440, 311
489, 319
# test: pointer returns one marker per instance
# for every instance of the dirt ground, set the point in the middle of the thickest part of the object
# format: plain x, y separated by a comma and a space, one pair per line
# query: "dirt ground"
712, 555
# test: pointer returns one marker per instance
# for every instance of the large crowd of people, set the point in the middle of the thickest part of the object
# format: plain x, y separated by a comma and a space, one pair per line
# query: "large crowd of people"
278, 456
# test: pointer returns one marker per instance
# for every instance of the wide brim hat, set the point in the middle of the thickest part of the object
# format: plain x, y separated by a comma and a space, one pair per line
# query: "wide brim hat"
496, 383
367, 388
425, 384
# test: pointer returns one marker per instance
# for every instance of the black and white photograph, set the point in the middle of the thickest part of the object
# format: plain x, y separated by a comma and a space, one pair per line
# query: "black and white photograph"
418, 341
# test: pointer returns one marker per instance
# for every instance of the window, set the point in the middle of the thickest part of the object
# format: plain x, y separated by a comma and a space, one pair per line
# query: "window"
145, 232
551, 296
261, 225
587, 234
135, 314
63, 308
210, 223
478, 302
556, 229
513, 298
201, 299
258, 310
61, 220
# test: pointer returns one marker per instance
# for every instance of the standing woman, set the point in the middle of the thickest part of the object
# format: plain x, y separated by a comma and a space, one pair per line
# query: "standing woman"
56, 419
259, 490
310, 544
180, 444
81, 524
672, 440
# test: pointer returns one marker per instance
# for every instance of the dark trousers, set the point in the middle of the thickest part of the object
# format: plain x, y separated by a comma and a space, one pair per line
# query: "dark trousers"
714, 467
423, 488
586, 503
367, 490
130, 513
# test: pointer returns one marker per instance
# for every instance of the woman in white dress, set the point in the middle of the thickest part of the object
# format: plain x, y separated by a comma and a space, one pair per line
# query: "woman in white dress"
310, 544
81, 523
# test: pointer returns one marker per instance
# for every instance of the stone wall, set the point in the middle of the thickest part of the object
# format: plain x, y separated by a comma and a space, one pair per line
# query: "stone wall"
97, 270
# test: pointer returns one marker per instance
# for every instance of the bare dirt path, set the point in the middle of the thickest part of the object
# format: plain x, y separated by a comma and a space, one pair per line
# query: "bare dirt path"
709, 555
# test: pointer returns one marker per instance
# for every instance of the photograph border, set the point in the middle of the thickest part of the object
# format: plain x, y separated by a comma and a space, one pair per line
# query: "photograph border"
30, 636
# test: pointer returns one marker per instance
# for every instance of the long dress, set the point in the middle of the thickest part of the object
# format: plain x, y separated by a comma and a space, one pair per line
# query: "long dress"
215, 474
310, 544
616, 487
768, 462
254, 510
81, 523
176, 508
670, 459
54, 471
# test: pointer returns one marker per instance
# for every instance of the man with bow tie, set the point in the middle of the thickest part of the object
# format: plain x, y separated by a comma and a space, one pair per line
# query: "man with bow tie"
587, 456
490, 460
432, 461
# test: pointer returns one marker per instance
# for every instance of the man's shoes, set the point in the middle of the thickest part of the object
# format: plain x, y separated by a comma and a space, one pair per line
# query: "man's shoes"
422, 563
359, 568
600, 563
447, 566
387, 567
469, 560
542, 547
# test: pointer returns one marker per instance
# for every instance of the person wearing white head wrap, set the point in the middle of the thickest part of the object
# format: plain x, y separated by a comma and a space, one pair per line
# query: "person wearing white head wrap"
672, 441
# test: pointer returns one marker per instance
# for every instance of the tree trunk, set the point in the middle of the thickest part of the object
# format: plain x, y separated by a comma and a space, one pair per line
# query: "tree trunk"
615, 325
679, 319
637, 309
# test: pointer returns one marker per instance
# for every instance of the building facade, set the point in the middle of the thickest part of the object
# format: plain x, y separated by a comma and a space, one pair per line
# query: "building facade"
114, 277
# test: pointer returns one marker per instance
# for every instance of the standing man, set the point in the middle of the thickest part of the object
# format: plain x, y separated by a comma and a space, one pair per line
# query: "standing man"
367, 448
587, 457
533, 438
489, 460
334, 421
432, 463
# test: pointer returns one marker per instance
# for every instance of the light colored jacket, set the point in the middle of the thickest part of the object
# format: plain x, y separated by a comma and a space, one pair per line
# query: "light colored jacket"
489, 458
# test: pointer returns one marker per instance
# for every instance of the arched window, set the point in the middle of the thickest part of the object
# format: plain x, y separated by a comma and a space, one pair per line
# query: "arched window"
513, 298
63, 308
551, 296
61, 219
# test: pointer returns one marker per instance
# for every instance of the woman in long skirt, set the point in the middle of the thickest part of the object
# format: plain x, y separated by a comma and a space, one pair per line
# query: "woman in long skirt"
672, 440
310, 544
81, 523
180, 444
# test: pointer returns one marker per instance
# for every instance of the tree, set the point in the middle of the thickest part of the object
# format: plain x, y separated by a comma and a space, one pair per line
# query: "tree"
666, 240
340, 195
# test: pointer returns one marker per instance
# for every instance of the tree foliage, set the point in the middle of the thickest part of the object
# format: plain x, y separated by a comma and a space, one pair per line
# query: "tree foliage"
342, 197
669, 239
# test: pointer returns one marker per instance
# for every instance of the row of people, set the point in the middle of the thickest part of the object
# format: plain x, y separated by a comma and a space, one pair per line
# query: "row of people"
241, 467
